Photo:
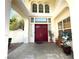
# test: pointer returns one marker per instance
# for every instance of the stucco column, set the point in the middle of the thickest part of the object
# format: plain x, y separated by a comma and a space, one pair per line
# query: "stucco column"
53, 29
26, 28
7, 16
74, 13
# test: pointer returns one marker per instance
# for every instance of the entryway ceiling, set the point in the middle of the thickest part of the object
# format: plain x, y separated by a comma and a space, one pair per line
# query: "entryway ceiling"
20, 7
51, 2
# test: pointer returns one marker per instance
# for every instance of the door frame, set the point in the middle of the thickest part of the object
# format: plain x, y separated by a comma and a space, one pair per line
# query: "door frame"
32, 29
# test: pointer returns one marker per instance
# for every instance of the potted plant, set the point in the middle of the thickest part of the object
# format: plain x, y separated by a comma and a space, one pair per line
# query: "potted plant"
66, 36
51, 35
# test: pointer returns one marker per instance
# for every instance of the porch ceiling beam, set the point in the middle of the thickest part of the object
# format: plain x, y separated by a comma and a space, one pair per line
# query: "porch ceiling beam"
19, 7
60, 12
59, 8
65, 9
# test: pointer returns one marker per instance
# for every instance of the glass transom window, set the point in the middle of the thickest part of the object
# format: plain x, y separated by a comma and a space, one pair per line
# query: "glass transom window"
40, 19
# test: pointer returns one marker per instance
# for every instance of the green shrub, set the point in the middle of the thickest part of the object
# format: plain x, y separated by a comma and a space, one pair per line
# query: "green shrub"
14, 24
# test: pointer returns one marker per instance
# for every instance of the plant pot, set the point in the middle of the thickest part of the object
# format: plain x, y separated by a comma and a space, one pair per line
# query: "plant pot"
51, 40
9, 42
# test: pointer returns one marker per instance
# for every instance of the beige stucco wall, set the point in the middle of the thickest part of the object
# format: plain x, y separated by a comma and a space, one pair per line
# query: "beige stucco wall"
64, 14
29, 3
26, 30
51, 3
5, 28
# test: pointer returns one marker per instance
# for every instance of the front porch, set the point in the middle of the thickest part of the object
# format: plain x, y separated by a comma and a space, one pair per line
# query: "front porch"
38, 51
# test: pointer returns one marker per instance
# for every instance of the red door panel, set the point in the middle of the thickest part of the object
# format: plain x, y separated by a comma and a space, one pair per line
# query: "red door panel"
41, 32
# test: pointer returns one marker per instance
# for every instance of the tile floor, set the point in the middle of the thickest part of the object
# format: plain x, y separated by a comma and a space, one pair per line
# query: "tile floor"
38, 51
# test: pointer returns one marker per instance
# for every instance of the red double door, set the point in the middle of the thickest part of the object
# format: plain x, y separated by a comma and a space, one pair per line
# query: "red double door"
41, 32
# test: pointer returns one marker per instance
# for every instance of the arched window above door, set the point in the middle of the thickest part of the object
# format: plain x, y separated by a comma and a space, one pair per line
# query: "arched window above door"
34, 7
40, 8
46, 8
